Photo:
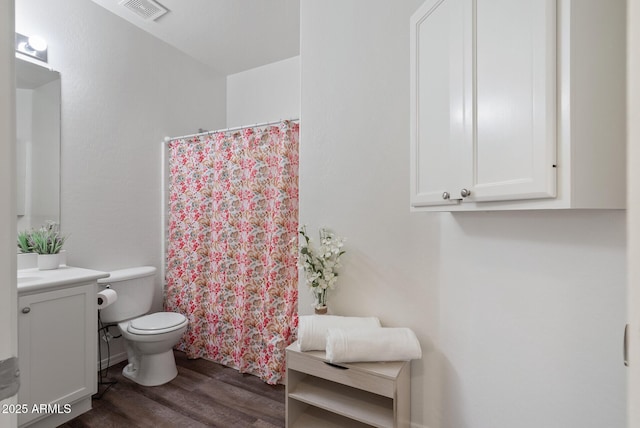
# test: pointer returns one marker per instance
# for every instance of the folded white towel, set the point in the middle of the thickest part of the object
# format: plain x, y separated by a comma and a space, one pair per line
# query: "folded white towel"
372, 344
312, 329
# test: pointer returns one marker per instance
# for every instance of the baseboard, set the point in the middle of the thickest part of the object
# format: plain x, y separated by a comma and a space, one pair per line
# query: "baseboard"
114, 359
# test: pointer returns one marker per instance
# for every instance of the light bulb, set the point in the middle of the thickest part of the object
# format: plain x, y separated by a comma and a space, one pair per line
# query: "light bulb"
37, 43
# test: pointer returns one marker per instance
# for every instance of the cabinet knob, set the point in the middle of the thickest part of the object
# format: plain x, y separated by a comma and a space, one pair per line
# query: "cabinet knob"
445, 195
464, 193
26, 310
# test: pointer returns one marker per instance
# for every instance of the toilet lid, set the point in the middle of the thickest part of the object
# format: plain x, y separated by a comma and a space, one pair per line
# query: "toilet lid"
158, 321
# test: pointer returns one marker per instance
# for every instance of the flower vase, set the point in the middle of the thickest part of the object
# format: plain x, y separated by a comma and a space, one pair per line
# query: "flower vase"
321, 310
48, 261
320, 304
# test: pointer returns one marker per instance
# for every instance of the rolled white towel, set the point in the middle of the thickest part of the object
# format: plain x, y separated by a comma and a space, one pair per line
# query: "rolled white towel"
372, 344
312, 329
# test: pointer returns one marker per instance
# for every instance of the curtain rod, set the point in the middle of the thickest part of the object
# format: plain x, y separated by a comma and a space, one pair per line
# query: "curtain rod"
236, 128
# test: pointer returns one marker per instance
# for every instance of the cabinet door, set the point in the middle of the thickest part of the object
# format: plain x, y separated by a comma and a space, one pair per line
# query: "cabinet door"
57, 347
441, 101
515, 78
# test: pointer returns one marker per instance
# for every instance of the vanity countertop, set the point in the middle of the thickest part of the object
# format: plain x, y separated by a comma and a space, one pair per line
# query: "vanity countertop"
35, 280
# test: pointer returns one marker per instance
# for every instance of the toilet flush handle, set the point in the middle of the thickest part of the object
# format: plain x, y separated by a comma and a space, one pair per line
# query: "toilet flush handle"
26, 310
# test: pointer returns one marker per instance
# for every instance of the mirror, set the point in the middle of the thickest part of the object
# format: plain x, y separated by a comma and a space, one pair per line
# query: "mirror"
38, 144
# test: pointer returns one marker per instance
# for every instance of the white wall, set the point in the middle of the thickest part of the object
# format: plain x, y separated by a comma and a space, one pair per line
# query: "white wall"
264, 94
123, 91
520, 314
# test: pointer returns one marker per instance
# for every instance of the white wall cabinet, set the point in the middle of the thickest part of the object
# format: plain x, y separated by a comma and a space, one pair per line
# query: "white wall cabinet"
57, 334
325, 395
517, 104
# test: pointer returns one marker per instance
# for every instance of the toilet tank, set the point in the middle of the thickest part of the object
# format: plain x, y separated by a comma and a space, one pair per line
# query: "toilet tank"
135, 287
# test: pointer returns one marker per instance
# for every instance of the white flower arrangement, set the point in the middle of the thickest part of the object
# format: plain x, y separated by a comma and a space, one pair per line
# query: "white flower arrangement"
320, 265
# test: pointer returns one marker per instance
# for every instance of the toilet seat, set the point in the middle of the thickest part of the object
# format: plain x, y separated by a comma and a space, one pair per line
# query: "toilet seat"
157, 323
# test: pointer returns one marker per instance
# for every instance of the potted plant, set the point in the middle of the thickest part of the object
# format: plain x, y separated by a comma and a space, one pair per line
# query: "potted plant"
320, 265
27, 258
47, 241
23, 242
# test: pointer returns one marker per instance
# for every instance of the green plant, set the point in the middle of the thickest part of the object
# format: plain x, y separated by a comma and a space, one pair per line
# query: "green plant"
23, 241
47, 239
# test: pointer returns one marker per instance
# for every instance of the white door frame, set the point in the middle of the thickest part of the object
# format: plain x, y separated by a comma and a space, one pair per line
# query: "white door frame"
8, 290
633, 212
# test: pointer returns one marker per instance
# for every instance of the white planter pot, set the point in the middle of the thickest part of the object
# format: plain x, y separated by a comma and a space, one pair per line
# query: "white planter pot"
63, 257
48, 261
27, 260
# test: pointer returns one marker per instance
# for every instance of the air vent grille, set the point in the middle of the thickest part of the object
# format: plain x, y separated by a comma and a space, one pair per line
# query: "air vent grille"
148, 10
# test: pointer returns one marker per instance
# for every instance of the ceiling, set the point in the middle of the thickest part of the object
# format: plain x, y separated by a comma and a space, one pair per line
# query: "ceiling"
228, 35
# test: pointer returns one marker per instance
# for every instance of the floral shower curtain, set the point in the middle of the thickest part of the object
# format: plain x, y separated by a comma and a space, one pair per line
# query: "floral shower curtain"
231, 257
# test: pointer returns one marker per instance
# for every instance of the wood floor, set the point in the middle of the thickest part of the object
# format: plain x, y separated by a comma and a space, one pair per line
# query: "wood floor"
204, 394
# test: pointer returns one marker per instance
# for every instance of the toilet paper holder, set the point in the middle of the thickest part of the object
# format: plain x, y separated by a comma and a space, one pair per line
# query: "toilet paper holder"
100, 298
106, 297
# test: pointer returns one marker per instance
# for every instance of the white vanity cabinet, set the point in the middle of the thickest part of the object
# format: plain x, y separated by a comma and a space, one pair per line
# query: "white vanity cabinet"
57, 336
517, 104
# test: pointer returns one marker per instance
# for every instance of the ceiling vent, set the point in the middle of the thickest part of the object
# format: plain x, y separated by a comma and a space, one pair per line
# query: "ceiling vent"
148, 10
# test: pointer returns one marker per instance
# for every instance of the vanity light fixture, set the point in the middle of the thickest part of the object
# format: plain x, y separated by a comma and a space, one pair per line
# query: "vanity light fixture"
34, 46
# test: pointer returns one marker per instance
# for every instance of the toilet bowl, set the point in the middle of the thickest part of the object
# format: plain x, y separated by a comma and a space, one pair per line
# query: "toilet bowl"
149, 338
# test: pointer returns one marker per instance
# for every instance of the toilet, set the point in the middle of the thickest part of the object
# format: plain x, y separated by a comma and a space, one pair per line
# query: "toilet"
149, 338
